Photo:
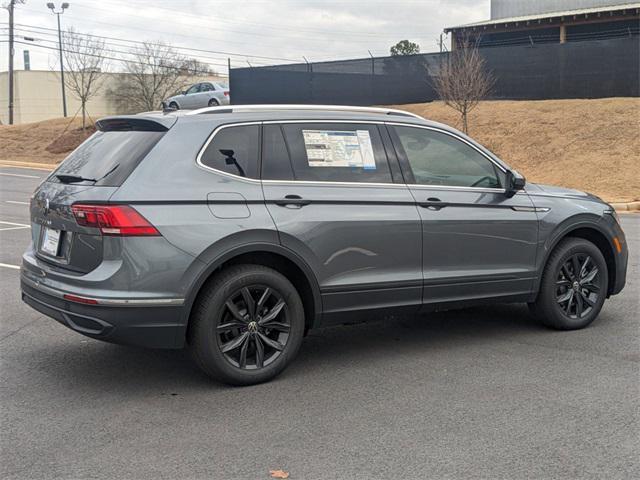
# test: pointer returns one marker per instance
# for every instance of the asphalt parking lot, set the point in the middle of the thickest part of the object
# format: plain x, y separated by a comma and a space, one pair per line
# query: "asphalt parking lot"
477, 393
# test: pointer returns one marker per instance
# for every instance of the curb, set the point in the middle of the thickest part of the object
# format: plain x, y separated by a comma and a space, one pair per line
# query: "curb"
629, 207
37, 166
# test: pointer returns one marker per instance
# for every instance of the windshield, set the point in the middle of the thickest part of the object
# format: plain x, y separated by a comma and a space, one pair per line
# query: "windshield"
112, 155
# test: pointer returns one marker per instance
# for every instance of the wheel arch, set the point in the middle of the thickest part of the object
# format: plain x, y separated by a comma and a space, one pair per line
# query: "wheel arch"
593, 233
274, 256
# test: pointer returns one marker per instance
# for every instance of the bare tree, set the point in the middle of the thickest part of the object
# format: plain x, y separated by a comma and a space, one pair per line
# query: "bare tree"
83, 67
153, 72
462, 80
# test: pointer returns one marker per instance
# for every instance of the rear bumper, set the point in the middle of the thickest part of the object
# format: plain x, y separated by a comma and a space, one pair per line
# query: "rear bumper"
152, 325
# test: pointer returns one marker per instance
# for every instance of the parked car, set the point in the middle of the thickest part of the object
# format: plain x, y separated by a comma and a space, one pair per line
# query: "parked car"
233, 231
205, 94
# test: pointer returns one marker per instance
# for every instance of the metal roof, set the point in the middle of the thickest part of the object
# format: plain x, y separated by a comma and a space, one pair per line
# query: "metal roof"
541, 16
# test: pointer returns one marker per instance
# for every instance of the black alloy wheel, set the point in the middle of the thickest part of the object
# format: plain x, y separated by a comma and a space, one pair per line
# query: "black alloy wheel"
255, 327
579, 285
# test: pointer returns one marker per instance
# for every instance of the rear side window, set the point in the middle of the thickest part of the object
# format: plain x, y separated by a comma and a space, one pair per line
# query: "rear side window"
234, 150
337, 152
276, 164
109, 157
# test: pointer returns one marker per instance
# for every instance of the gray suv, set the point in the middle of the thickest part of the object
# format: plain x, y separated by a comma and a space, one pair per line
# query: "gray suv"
235, 230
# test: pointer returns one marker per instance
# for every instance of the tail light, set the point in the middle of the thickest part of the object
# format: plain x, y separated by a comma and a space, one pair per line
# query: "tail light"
114, 220
226, 93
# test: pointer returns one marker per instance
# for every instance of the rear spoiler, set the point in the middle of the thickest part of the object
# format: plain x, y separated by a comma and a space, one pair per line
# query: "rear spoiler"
135, 123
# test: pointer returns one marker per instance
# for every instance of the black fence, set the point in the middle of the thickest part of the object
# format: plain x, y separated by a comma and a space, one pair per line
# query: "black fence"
588, 69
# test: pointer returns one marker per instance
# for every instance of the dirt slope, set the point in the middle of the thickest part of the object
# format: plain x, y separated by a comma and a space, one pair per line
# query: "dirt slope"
591, 145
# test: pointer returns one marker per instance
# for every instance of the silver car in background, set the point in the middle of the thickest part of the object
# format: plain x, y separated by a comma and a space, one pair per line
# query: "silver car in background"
199, 95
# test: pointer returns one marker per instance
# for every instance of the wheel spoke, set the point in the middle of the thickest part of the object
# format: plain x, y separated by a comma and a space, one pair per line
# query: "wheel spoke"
589, 277
587, 300
583, 268
565, 296
259, 352
563, 283
566, 272
235, 343
279, 326
592, 287
235, 312
243, 353
576, 267
579, 305
250, 302
224, 327
570, 302
265, 296
272, 343
273, 313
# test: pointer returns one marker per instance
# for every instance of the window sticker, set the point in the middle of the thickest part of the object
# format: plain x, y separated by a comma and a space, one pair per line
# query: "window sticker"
339, 148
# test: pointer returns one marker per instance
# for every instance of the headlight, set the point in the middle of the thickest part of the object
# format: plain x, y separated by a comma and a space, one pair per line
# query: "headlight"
612, 211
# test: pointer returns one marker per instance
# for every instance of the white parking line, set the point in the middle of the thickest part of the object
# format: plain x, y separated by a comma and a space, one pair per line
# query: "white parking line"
17, 202
13, 267
18, 175
12, 226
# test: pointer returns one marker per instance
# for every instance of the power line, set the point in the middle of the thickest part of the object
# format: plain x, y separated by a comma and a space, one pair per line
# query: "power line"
182, 48
134, 44
200, 72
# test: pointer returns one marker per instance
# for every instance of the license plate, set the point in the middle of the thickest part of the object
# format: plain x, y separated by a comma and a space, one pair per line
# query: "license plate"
51, 242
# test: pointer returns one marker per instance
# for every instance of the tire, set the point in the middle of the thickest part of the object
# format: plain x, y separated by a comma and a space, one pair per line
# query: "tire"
567, 302
221, 320
174, 105
214, 103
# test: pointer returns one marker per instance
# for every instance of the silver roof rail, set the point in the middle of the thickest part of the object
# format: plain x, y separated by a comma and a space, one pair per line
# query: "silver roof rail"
334, 108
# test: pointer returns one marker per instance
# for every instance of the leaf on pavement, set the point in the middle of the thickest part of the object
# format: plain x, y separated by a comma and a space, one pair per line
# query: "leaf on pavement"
279, 474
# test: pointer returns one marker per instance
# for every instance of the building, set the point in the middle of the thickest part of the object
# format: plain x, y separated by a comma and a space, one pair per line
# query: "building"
37, 96
521, 22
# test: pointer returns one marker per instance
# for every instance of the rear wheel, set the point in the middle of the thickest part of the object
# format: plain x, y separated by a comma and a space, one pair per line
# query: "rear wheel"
247, 325
213, 102
574, 286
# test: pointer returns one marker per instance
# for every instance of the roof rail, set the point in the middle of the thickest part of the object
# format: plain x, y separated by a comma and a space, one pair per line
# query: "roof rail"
335, 108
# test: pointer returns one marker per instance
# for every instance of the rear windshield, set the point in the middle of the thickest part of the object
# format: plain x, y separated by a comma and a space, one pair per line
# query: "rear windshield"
108, 157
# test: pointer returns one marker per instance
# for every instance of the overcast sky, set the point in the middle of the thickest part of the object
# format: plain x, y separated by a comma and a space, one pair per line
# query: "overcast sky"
248, 29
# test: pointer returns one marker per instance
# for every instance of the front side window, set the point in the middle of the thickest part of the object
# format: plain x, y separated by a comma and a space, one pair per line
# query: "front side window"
337, 152
194, 89
436, 158
234, 150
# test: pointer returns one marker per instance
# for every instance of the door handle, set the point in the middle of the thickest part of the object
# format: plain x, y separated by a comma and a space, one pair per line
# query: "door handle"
292, 200
433, 203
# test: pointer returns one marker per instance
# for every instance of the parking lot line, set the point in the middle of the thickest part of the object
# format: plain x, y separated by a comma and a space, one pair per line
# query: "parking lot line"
12, 226
13, 267
18, 175
17, 202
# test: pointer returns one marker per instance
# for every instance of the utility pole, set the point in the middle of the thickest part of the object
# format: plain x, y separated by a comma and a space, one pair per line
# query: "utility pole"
11, 5
63, 7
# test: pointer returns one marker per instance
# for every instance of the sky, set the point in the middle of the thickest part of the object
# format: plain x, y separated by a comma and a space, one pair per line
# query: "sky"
250, 32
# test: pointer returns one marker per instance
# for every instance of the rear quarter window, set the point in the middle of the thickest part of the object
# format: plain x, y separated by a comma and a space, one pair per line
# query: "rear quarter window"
234, 150
109, 157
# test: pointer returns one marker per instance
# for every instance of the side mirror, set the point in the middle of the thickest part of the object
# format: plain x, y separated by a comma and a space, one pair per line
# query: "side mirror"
513, 182
184, 92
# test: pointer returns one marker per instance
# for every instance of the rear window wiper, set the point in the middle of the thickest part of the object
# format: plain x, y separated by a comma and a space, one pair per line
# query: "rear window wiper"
77, 178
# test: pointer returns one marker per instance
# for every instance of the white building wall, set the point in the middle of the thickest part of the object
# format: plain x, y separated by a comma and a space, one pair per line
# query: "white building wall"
38, 96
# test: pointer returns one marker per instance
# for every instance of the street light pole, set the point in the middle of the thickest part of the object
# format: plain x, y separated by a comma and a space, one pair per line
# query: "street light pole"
11, 6
63, 7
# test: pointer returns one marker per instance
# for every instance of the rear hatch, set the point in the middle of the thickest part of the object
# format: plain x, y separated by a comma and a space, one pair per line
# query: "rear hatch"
88, 177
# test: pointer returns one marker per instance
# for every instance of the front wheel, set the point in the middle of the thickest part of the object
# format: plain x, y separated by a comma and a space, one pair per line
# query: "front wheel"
574, 286
247, 325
